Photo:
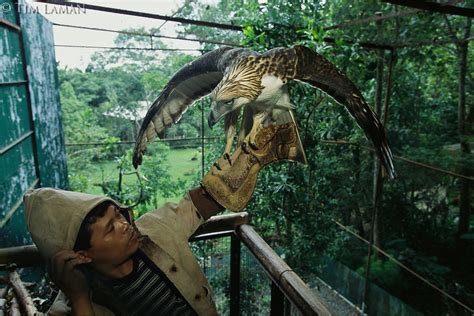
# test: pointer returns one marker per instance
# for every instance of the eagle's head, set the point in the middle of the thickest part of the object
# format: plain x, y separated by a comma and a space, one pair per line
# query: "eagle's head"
240, 85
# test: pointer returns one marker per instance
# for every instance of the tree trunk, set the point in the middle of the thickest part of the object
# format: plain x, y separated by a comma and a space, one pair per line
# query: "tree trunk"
358, 216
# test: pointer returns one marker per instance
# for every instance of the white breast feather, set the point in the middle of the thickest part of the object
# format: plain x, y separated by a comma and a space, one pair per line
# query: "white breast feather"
271, 91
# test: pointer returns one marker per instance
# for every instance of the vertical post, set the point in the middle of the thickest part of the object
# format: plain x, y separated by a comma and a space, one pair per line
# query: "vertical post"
277, 305
374, 231
462, 51
378, 110
202, 138
234, 276
465, 169
28, 94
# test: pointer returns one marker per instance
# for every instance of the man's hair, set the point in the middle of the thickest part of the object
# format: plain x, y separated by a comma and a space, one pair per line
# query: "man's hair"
83, 240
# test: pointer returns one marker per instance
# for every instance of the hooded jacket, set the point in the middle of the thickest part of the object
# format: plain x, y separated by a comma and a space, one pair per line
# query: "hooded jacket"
54, 217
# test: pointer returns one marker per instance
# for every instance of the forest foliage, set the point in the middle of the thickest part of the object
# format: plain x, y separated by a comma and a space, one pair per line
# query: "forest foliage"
295, 208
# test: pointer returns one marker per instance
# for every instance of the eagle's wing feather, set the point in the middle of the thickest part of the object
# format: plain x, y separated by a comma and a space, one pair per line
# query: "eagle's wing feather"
189, 84
317, 71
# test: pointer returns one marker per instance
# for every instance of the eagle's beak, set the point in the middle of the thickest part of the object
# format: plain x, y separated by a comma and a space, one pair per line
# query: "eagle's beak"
211, 119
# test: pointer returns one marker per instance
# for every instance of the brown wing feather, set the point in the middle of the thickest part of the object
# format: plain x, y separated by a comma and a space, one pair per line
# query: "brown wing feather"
189, 84
317, 71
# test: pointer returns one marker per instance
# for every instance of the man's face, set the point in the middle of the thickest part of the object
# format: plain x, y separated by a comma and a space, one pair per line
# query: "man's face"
113, 239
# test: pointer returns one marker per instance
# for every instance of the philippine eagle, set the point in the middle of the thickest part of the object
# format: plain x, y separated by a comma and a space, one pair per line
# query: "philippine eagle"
239, 78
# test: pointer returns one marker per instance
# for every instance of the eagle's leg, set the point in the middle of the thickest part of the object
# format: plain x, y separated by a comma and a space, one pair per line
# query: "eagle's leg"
229, 136
245, 125
230, 123
258, 119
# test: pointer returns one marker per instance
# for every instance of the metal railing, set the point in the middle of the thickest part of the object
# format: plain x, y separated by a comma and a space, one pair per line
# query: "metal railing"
285, 282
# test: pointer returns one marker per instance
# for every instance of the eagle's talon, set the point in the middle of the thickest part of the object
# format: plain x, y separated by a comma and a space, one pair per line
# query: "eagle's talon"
217, 166
227, 157
253, 145
244, 148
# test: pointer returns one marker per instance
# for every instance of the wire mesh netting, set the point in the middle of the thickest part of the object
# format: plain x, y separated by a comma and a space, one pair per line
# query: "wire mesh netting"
255, 286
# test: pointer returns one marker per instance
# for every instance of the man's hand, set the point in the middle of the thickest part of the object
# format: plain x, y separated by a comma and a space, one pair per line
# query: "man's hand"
64, 273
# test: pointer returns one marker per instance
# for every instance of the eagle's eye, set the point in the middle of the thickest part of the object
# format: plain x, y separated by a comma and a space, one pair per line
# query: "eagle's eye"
229, 102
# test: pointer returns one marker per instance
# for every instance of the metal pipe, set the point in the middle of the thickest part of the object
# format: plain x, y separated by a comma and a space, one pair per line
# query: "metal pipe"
133, 142
307, 302
234, 276
148, 35
416, 163
86, 6
434, 7
222, 223
134, 48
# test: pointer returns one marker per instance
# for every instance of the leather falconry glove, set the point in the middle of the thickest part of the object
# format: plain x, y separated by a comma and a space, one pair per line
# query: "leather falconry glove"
232, 184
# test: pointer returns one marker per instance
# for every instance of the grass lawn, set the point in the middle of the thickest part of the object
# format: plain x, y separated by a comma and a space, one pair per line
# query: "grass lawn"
179, 162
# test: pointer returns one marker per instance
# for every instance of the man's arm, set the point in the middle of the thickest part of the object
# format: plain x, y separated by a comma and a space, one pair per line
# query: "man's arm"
204, 203
82, 306
226, 185
64, 273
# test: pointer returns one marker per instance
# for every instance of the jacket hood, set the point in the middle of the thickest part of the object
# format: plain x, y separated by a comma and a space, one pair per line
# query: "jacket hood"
54, 217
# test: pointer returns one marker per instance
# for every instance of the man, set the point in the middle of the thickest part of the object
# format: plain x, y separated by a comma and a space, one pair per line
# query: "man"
106, 264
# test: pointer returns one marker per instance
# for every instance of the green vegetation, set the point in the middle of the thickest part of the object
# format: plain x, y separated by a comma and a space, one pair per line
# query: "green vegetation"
182, 164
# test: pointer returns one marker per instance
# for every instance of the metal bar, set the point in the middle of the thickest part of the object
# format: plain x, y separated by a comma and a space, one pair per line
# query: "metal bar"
148, 35
434, 7
307, 302
222, 223
12, 83
214, 235
16, 142
133, 142
338, 142
21, 256
431, 42
134, 48
277, 303
405, 44
10, 25
367, 45
202, 139
371, 19
419, 164
15, 207
86, 6
186, 21
423, 165
234, 276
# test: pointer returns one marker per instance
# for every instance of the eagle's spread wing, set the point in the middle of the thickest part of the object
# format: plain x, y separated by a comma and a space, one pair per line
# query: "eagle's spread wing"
317, 71
189, 84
